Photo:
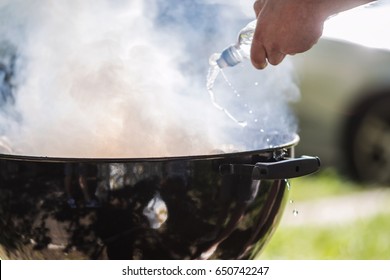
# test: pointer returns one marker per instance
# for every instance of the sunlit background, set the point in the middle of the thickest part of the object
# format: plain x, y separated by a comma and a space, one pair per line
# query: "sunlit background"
343, 211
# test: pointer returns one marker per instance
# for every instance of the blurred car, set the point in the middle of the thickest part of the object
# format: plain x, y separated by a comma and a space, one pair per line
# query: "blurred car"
344, 111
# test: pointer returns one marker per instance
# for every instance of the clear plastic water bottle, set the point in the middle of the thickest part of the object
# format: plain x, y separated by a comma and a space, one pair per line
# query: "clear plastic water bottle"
239, 51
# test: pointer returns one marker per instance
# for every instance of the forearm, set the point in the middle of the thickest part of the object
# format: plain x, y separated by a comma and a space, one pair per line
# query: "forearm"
331, 7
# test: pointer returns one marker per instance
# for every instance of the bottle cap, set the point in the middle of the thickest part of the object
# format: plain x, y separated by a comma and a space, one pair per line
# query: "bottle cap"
229, 57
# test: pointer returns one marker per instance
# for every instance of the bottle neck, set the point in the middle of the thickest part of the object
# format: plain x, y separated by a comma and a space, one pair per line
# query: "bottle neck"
229, 57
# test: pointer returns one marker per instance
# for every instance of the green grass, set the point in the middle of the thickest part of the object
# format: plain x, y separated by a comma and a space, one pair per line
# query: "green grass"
367, 239
323, 184
364, 239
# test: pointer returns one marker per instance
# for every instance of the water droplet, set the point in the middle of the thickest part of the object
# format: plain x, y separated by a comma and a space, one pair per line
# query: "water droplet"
250, 112
256, 83
256, 120
291, 201
295, 212
242, 123
288, 185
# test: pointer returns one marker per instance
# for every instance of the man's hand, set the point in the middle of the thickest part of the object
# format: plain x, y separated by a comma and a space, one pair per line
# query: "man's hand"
284, 27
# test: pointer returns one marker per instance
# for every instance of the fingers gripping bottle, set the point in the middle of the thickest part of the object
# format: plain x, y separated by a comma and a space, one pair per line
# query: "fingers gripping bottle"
239, 51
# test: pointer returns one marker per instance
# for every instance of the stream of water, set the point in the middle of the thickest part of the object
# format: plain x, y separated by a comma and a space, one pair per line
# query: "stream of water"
213, 73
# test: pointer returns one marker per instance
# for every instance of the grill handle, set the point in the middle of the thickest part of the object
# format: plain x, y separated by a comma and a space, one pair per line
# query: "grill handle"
285, 169
277, 170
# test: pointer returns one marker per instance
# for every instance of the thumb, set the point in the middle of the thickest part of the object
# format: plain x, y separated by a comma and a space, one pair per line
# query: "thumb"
258, 55
258, 51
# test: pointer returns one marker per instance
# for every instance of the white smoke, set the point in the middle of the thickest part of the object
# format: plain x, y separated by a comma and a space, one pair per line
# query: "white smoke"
101, 78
